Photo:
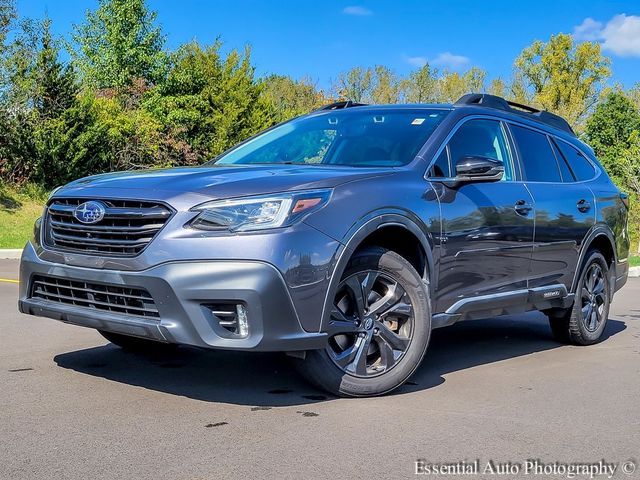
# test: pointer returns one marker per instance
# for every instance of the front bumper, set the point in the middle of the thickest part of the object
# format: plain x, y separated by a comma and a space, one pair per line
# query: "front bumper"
181, 291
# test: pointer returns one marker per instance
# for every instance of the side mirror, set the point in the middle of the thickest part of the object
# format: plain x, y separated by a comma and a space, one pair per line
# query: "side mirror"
476, 168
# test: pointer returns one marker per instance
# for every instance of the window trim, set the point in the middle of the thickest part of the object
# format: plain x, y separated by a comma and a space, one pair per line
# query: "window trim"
561, 159
512, 145
454, 130
596, 171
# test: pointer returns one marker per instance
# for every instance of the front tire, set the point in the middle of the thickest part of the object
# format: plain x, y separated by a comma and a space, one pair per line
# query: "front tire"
584, 323
379, 329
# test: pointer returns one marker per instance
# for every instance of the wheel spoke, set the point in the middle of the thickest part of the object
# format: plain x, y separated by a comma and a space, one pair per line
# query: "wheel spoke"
359, 364
360, 301
401, 308
394, 340
586, 311
593, 320
367, 284
387, 355
599, 286
393, 295
586, 295
346, 357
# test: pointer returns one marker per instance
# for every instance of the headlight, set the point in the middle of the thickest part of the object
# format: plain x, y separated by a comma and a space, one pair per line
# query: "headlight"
259, 212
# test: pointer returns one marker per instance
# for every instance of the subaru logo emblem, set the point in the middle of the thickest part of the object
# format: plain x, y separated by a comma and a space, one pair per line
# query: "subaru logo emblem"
89, 212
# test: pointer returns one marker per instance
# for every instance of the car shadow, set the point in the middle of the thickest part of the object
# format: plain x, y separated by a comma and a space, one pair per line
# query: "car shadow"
264, 380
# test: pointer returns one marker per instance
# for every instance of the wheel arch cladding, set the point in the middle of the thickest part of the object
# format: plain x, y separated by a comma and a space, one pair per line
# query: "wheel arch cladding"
601, 239
393, 232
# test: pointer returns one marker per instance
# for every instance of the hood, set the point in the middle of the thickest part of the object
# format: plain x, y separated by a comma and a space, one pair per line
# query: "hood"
225, 181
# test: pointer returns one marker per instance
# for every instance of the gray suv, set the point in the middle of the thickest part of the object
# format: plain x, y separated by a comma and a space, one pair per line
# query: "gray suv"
343, 238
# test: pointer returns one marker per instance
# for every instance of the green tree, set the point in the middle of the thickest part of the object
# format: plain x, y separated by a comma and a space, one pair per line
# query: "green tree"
563, 77
452, 86
119, 43
613, 131
55, 84
421, 86
498, 87
209, 101
7, 17
610, 130
355, 85
386, 86
289, 98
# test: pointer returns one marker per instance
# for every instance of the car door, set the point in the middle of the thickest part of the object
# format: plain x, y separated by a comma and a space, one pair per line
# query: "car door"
564, 208
487, 227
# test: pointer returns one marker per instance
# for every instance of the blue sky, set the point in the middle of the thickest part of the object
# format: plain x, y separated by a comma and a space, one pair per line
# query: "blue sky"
319, 39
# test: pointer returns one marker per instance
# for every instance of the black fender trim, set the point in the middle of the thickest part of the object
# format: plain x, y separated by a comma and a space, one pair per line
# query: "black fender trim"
596, 231
357, 234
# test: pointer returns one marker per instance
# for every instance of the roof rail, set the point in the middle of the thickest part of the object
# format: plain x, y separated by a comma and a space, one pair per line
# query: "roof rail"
493, 101
341, 105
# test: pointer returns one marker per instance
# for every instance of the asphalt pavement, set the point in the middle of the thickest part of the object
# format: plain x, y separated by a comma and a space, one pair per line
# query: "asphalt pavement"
74, 406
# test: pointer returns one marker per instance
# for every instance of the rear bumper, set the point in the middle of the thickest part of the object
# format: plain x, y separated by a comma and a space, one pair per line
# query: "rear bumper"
180, 291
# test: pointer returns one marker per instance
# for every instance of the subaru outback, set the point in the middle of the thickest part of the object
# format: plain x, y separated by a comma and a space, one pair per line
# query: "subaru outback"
342, 237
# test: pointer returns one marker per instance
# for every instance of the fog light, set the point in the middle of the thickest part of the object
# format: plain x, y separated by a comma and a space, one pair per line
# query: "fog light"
241, 315
231, 318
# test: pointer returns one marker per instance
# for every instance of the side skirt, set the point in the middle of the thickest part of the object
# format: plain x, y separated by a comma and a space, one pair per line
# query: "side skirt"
508, 303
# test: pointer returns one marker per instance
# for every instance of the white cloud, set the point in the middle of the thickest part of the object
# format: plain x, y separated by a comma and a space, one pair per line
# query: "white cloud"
451, 61
620, 36
588, 30
416, 61
357, 11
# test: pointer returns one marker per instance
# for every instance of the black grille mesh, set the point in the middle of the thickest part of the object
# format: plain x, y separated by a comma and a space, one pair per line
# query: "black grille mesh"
113, 298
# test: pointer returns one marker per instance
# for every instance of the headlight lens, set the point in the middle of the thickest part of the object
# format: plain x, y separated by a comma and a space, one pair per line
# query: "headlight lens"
259, 212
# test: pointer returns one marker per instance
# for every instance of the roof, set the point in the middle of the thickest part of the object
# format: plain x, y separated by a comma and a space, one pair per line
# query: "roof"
478, 100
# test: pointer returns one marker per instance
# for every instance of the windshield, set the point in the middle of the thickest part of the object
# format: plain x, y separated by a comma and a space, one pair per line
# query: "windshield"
353, 137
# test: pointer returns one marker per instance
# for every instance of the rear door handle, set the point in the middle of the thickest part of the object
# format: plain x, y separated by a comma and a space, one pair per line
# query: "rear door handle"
583, 206
522, 207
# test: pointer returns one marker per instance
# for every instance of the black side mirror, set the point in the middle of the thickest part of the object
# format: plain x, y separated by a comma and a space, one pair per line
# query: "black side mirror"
476, 168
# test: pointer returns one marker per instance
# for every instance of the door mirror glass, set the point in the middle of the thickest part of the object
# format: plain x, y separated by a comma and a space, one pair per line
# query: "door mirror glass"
477, 168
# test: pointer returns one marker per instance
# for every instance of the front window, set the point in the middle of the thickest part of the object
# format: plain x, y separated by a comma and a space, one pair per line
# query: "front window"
477, 137
353, 137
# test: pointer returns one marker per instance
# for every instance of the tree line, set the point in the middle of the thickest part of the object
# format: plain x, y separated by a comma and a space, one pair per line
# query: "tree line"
123, 100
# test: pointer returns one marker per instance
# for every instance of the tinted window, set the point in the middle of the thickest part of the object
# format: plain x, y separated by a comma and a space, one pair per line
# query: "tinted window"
480, 138
538, 161
582, 168
567, 175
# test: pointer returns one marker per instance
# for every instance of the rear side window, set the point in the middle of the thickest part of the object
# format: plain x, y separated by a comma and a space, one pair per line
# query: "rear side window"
582, 168
538, 161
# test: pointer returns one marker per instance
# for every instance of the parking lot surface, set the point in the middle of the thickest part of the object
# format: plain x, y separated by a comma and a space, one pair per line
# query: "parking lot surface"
74, 406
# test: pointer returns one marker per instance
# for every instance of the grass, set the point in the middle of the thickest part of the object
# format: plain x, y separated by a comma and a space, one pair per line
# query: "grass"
634, 261
19, 208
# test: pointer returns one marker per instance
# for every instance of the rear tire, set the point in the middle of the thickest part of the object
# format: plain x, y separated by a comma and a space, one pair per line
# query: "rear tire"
584, 323
136, 344
377, 342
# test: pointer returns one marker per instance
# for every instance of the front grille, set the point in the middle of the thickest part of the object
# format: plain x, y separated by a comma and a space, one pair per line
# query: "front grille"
125, 230
112, 298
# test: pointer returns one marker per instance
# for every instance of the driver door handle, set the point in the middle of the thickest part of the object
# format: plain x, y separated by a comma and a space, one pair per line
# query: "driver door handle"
522, 207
